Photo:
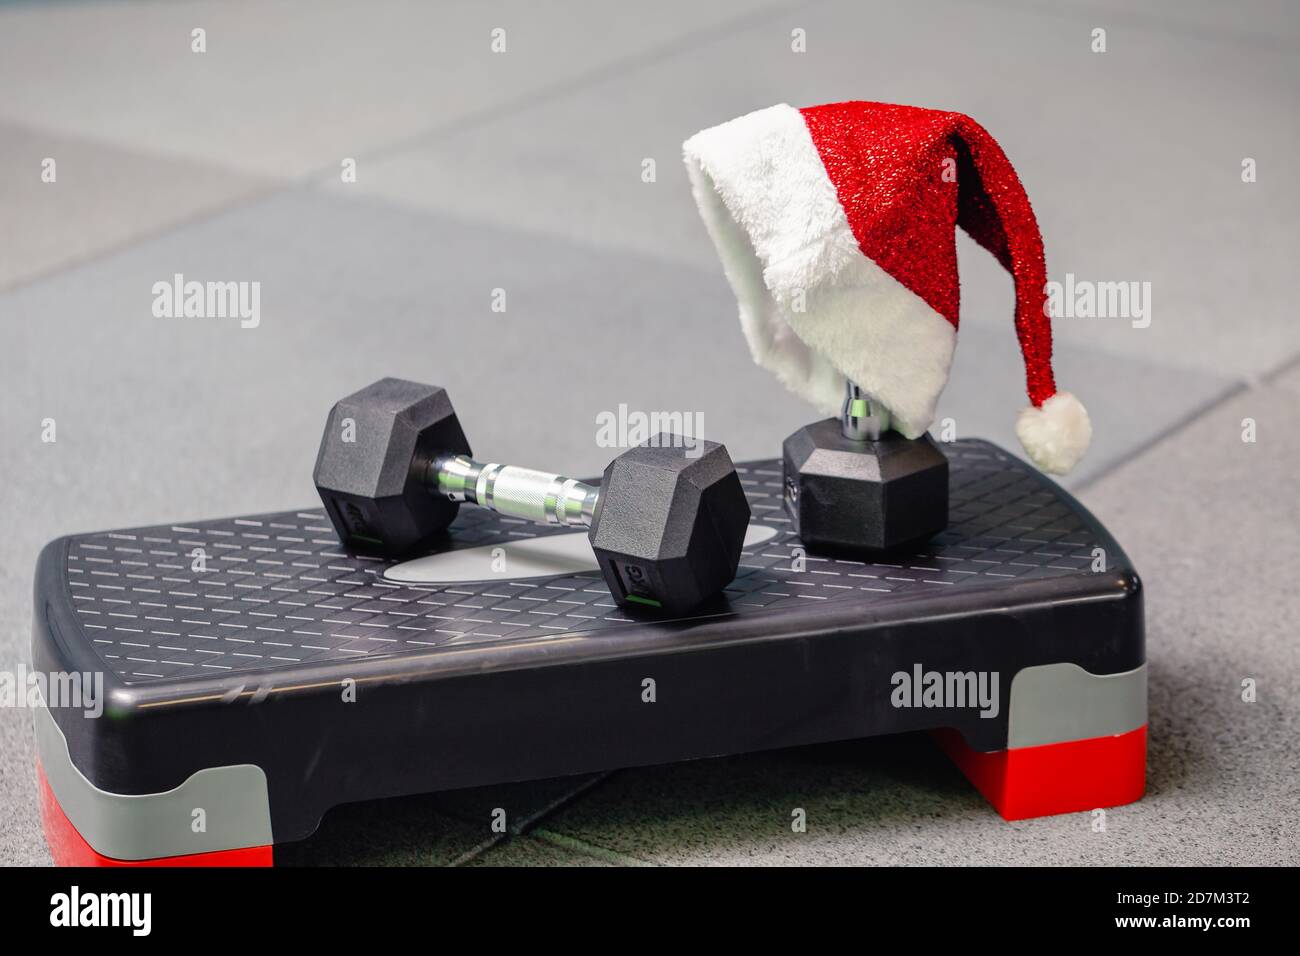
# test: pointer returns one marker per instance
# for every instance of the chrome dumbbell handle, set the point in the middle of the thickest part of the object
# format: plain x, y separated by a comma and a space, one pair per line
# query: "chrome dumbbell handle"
861, 417
536, 496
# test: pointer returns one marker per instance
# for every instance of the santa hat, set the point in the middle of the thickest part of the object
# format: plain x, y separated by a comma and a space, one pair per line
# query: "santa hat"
836, 228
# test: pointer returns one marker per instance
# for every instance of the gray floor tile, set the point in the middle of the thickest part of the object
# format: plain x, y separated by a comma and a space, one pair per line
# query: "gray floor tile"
302, 84
1132, 157
102, 198
1210, 522
21, 840
1288, 377
1257, 23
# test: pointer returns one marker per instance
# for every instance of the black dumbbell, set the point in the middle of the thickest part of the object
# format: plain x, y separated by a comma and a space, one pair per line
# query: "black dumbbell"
667, 522
853, 486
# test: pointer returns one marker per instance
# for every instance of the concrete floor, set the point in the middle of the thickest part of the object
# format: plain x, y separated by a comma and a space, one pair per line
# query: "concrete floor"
522, 171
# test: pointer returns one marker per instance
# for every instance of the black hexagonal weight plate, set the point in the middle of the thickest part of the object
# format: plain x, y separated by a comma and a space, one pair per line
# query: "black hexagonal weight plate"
370, 470
670, 524
875, 496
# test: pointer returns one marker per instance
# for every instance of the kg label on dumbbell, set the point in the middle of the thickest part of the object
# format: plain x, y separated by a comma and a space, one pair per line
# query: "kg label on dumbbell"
179, 299
624, 429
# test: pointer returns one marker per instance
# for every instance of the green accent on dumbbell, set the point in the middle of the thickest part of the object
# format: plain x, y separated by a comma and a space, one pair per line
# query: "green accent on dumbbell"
638, 599
858, 408
367, 539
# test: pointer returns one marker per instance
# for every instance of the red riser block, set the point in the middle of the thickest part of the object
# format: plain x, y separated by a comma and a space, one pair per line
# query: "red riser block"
1067, 777
69, 848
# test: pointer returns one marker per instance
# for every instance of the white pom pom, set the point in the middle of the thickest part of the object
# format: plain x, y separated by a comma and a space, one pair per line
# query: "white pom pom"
1056, 434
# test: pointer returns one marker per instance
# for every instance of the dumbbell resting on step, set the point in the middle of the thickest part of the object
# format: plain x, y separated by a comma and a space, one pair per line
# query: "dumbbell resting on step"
667, 522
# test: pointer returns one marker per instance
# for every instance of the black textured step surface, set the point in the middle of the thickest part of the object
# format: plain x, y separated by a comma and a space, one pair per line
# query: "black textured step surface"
278, 590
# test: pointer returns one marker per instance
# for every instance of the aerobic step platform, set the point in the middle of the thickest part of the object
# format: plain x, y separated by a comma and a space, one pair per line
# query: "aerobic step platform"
255, 671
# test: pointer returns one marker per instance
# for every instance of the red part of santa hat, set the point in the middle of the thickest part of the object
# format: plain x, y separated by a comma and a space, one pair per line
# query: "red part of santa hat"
836, 226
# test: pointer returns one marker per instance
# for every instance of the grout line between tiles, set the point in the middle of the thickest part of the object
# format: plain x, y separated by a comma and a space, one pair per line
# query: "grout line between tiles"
632, 64
254, 195
478, 850
1145, 21
561, 802
1288, 365
521, 829
1232, 391
575, 845
1186, 420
